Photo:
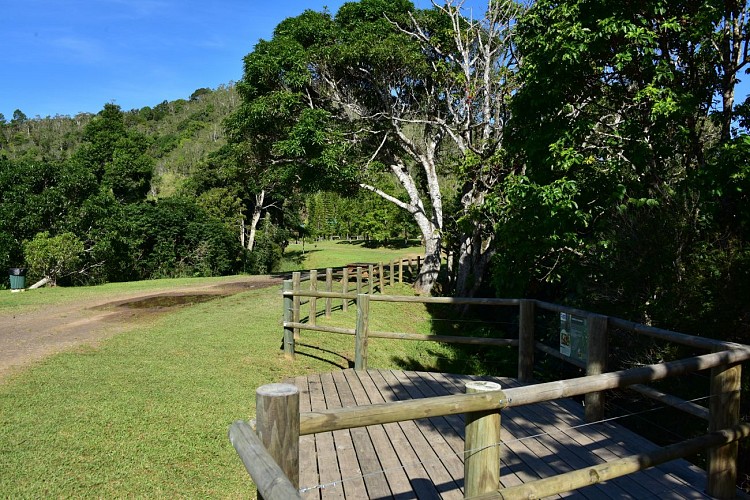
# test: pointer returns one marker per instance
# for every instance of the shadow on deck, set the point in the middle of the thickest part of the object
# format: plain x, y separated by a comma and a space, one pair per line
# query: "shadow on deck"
424, 458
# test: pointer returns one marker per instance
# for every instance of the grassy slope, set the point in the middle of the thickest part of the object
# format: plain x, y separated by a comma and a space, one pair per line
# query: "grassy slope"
146, 414
321, 254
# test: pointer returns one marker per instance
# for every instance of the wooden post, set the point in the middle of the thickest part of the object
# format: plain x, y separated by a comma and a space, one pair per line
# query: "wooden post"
359, 280
370, 279
482, 446
400, 270
725, 412
526, 340
313, 300
361, 332
419, 264
288, 286
381, 276
411, 271
296, 279
277, 425
345, 288
596, 364
329, 288
392, 272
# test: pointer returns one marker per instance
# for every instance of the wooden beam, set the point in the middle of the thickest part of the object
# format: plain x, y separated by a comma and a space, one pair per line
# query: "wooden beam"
668, 399
443, 338
526, 341
277, 426
329, 288
296, 300
724, 408
596, 363
313, 317
268, 477
361, 335
482, 445
345, 289
549, 391
288, 340
319, 328
447, 300
381, 276
398, 411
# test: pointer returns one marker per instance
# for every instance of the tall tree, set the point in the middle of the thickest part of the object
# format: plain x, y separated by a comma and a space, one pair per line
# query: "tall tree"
619, 118
382, 87
116, 155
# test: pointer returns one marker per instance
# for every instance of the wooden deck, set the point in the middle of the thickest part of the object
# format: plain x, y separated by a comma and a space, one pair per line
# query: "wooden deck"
424, 458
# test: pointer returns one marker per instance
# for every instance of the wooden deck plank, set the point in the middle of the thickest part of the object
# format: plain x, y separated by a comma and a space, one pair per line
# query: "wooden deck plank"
688, 479
438, 433
606, 446
328, 469
364, 392
308, 467
349, 458
569, 414
424, 458
418, 464
369, 464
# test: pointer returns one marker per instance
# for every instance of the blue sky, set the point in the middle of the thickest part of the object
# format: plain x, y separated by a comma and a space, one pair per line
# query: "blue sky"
65, 57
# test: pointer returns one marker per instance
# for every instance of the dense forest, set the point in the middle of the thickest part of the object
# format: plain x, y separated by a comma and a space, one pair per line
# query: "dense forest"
588, 152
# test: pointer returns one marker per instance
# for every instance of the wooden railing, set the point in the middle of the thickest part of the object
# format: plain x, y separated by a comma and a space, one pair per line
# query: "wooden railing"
265, 456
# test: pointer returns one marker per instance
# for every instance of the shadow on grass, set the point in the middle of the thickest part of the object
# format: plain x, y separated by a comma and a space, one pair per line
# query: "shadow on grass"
483, 322
339, 360
297, 257
390, 244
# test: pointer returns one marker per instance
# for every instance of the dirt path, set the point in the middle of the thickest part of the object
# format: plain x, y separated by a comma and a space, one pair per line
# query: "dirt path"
29, 337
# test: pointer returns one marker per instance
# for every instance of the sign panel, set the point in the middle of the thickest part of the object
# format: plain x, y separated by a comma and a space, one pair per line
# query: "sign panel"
574, 336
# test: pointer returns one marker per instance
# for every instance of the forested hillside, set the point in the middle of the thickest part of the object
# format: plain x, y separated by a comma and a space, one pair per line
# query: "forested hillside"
595, 153
154, 192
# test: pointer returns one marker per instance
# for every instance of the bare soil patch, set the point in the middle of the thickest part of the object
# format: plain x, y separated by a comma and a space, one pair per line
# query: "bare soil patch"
29, 337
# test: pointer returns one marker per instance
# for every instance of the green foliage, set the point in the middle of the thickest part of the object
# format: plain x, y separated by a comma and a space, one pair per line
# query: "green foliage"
268, 250
177, 238
536, 226
116, 155
53, 257
619, 103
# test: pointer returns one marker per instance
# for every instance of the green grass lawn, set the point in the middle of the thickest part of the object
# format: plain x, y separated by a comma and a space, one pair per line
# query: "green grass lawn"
327, 253
146, 413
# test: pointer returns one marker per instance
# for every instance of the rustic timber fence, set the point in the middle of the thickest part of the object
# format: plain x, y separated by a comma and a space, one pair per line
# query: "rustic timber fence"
270, 451
368, 278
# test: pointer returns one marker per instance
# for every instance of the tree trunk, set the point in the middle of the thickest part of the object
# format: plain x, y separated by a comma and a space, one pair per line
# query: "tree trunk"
259, 198
428, 274
474, 255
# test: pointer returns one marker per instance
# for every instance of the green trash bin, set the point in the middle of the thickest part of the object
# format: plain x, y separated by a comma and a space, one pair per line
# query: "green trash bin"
17, 278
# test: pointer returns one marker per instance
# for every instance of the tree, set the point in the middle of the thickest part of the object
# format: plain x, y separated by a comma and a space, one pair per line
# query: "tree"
619, 117
380, 88
116, 156
53, 257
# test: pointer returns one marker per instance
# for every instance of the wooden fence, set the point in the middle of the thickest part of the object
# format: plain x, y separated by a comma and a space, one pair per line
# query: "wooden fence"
350, 281
272, 465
